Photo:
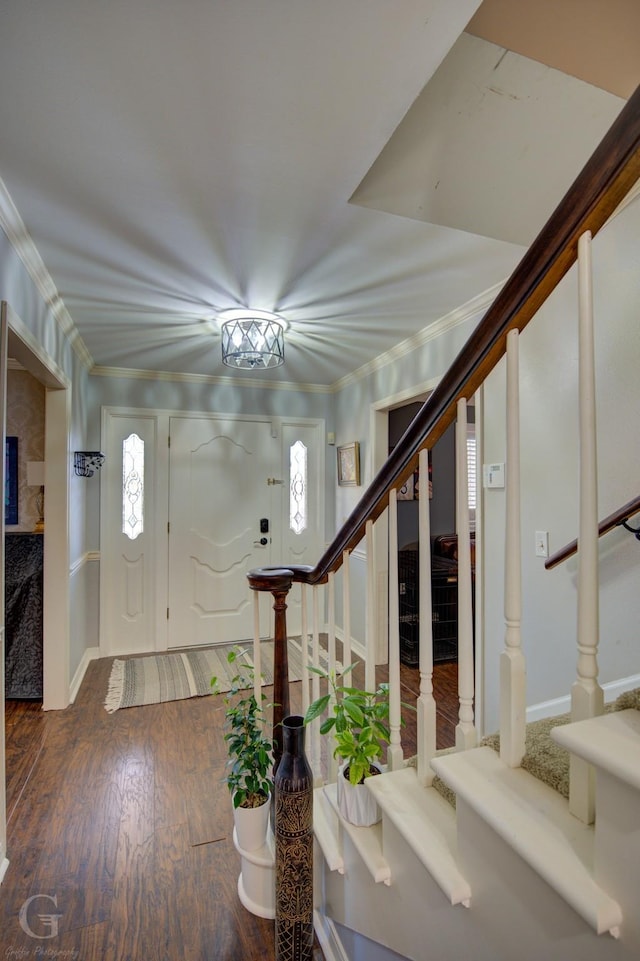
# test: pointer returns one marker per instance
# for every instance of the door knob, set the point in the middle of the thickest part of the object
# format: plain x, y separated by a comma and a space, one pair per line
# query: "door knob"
262, 542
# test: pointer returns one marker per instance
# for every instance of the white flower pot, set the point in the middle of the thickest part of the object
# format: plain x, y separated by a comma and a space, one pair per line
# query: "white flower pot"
251, 826
356, 803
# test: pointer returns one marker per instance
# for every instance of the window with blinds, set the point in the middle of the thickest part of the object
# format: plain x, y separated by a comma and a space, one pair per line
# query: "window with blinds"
471, 470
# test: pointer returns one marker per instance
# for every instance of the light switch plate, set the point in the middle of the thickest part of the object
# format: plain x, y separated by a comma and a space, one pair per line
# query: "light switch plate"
493, 475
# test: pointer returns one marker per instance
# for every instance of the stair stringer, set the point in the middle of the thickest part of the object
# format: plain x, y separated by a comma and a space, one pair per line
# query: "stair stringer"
513, 913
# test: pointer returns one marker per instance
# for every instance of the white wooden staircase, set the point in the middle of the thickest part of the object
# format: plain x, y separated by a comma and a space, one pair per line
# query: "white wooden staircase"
537, 881
515, 872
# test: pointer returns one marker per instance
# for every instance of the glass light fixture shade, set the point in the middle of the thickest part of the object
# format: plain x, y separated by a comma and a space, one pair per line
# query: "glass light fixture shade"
253, 342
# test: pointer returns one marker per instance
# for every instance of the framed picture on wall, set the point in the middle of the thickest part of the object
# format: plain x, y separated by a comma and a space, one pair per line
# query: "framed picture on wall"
349, 465
11, 480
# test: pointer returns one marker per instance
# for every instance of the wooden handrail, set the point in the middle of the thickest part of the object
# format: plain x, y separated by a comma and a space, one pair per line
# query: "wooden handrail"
607, 177
613, 520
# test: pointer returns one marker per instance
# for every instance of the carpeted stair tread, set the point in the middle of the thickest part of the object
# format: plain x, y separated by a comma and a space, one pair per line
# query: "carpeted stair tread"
628, 699
544, 758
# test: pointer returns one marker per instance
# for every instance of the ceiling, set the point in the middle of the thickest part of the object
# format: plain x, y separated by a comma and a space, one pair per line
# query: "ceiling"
363, 172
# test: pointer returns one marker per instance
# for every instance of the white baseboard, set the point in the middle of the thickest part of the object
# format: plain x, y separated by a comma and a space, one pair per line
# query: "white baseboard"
328, 938
4, 864
614, 689
90, 654
562, 705
538, 712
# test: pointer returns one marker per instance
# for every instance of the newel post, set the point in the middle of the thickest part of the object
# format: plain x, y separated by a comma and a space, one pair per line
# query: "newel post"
278, 582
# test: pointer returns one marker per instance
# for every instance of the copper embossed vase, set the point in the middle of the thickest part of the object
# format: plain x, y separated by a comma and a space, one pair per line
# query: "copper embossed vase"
294, 847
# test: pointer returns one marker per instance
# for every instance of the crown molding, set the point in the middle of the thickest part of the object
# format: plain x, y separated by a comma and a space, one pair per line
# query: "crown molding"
20, 239
453, 319
168, 375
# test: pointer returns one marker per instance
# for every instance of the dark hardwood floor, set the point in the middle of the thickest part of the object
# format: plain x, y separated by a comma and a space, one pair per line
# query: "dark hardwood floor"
124, 821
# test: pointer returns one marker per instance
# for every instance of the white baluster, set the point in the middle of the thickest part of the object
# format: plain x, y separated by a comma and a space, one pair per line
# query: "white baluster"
465, 731
315, 686
394, 749
257, 651
332, 762
346, 610
587, 697
331, 638
304, 646
512, 662
426, 705
370, 627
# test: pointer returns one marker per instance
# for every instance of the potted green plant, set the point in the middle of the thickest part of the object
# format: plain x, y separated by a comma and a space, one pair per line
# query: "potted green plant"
249, 770
358, 722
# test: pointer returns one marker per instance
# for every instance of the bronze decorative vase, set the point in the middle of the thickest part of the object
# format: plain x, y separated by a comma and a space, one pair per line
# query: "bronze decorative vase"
294, 847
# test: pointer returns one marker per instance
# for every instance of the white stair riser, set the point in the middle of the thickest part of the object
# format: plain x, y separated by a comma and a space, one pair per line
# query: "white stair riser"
617, 848
513, 912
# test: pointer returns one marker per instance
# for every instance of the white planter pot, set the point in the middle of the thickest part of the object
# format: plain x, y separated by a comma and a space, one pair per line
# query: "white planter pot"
356, 803
251, 826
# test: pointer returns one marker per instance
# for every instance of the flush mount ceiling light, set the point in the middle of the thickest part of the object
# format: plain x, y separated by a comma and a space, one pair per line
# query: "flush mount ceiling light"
252, 339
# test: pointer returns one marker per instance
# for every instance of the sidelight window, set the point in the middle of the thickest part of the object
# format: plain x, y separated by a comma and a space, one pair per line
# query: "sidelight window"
298, 487
132, 486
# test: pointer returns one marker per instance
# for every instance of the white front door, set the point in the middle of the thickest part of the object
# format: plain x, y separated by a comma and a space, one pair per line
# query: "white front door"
219, 492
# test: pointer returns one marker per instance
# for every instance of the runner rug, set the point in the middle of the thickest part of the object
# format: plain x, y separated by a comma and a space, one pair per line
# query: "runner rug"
172, 677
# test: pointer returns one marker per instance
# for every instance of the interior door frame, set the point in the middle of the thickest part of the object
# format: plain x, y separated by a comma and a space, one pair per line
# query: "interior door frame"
17, 340
24, 348
379, 432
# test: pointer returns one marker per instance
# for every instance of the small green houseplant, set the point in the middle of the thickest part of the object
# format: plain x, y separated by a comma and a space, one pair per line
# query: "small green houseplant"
358, 721
250, 750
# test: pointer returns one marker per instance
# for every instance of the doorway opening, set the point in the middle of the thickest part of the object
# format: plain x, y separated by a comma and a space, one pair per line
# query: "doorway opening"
18, 344
391, 417
24, 351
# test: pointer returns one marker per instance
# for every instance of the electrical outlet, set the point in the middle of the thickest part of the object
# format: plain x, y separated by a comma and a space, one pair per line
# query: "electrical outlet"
542, 543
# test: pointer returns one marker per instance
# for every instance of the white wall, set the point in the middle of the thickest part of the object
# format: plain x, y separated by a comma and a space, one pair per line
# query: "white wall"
549, 472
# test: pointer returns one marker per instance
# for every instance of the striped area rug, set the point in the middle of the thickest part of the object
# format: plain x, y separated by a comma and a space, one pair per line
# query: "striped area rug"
172, 677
